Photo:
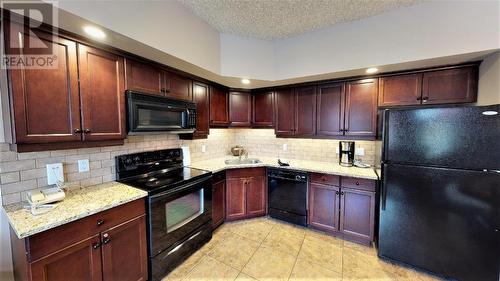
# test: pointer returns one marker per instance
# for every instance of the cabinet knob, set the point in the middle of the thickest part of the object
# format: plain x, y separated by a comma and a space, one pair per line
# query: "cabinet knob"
336, 192
106, 239
357, 183
100, 222
96, 246
419, 98
425, 99
77, 131
341, 193
86, 131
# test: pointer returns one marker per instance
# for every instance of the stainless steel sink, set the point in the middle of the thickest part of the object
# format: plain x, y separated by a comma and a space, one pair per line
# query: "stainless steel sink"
242, 161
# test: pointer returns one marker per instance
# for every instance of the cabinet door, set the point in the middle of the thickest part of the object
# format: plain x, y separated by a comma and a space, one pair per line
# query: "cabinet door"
285, 112
263, 109
400, 90
256, 196
361, 108
201, 99
218, 209
305, 119
331, 109
450, 86
357, 214
79, 262
235, 198
240, 109
219, 107
102, 89
178, 87
145, 78
324, 207
124, 255
46, 102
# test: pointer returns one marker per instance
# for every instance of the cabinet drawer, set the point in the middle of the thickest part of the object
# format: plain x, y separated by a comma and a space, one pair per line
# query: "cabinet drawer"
358, 183
220, 176
325, 179
246, 172
62, 236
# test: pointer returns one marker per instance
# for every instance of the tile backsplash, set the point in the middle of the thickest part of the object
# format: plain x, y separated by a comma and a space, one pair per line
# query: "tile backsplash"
22, 172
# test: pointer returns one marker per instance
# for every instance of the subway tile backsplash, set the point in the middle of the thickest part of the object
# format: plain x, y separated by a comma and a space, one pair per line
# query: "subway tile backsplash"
22, 172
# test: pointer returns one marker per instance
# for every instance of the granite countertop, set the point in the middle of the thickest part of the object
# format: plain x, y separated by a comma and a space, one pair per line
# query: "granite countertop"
79, 203
217, 164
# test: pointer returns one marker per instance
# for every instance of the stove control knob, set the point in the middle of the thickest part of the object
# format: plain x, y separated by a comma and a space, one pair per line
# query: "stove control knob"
128, 161
297, 177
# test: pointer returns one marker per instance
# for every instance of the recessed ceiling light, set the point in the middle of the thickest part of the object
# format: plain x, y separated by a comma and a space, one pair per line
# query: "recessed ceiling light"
94, 32
245, 81
371, 70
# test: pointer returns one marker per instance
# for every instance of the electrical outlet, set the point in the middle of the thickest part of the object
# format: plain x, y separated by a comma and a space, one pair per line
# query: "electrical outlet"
83, 165
359, 151
203, 148
285, 147
55, 173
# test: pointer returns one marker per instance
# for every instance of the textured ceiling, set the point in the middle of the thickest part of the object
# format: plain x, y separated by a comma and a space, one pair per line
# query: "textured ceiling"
275, 19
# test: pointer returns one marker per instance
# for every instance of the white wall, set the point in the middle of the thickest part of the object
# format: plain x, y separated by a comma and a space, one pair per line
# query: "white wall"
164, 25
247, 57
489, 80
428, 30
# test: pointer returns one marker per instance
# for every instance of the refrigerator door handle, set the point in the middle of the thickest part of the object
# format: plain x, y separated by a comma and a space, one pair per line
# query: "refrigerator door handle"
383, 194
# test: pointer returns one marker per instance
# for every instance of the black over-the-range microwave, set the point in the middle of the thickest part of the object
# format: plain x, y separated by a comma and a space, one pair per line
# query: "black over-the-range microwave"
149, 113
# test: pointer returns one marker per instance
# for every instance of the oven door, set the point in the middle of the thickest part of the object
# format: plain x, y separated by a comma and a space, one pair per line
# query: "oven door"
174, 215
149, 114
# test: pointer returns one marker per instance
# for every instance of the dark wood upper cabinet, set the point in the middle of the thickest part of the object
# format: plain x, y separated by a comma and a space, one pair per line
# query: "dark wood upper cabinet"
81, 259
178, 87
219, 107
456, 85
305, 120
263, 109
331, 101
33, 89
102, 89
144, 77
285, 112
400, 90
324, 207
124, 251
357, 214
240, 109
201, 98
361, 108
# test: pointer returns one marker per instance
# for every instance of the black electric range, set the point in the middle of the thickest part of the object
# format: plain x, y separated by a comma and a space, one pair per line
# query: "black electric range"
179, 205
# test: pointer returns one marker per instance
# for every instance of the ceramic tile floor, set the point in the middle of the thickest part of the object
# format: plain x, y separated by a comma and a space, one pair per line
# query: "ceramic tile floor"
266, 249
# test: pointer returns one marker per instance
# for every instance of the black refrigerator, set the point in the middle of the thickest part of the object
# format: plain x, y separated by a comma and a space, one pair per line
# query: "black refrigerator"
440, 192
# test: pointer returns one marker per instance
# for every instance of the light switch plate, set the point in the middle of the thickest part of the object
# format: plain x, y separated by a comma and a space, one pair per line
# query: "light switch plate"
285, 147
359, 151
55, 173
83, 165
203, 148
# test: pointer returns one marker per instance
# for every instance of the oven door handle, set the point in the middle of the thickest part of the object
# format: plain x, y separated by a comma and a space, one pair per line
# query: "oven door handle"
186, 186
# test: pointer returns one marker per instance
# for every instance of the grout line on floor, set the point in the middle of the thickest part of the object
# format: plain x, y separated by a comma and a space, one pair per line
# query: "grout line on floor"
272, 227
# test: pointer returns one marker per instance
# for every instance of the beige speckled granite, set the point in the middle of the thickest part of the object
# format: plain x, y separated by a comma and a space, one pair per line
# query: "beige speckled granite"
78, 204
218, 164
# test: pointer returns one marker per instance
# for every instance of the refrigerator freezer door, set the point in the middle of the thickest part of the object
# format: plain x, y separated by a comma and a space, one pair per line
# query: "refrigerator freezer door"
442, 220
453, 137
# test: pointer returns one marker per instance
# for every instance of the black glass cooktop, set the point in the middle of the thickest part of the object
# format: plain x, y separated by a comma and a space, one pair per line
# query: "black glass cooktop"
165, 179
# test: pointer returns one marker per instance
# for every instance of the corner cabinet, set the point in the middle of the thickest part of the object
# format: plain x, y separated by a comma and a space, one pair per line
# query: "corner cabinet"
343, 206
443, 86
263, 109
246, 193
79, 110
240, 109
110, 245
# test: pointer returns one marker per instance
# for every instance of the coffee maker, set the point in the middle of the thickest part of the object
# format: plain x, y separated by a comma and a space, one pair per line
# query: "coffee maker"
346, 153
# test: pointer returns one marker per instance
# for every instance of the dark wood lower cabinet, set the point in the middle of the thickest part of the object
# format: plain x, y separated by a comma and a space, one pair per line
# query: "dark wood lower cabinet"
347, 210
81, 250
218, 199
324, 206
246, 193
78, 262
357, 214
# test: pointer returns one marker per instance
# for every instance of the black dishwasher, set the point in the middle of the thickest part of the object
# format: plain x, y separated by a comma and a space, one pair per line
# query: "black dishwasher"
288, 195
